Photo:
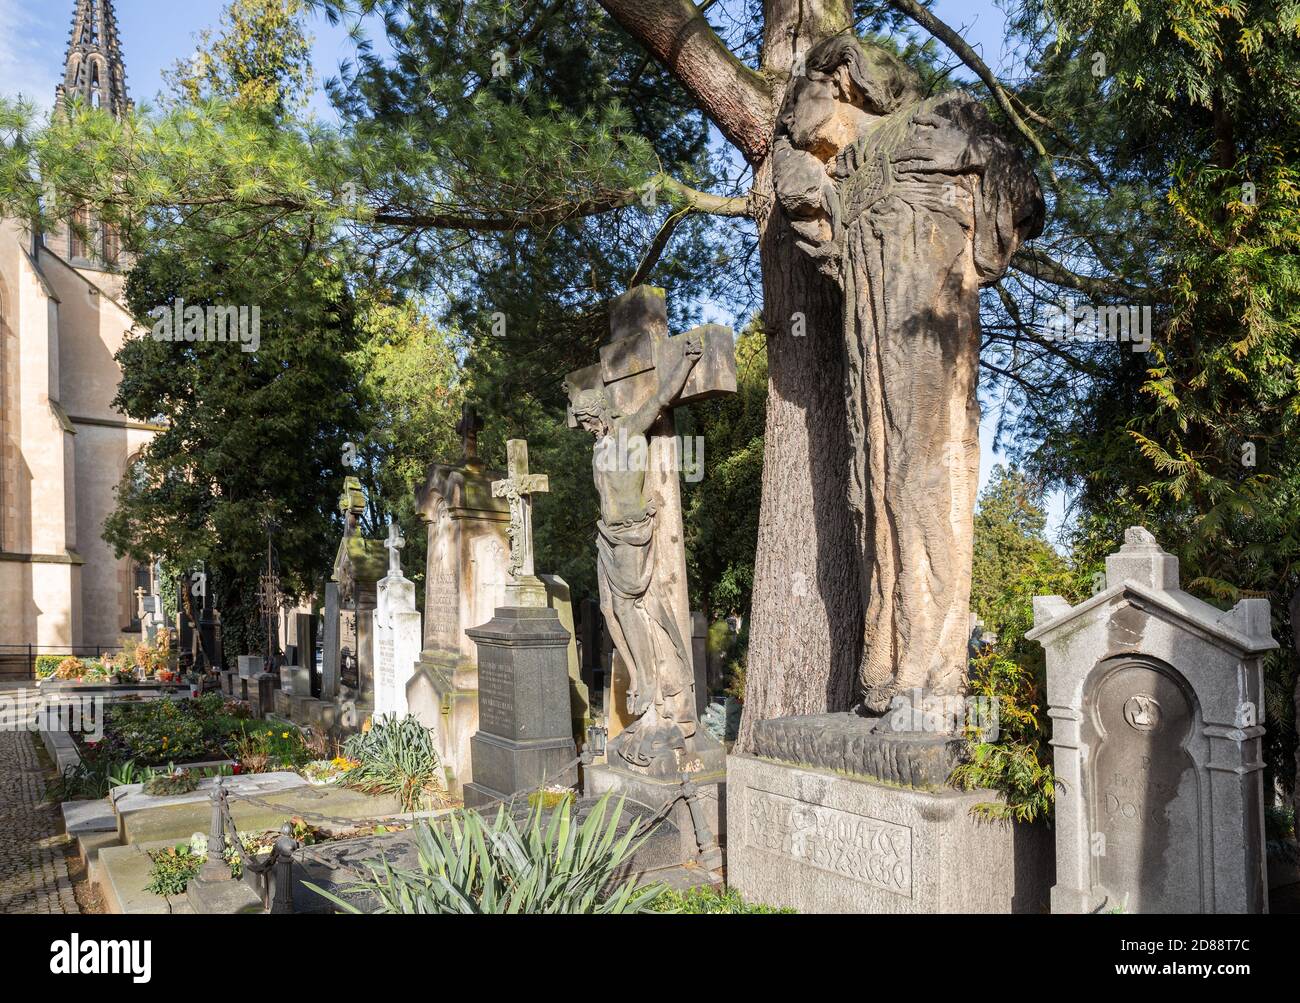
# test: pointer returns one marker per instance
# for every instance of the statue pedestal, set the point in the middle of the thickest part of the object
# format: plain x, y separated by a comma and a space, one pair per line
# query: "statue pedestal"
817, 841
525, 734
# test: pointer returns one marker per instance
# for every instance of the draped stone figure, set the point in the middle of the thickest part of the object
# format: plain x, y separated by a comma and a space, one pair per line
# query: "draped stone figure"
911, 204
637, 605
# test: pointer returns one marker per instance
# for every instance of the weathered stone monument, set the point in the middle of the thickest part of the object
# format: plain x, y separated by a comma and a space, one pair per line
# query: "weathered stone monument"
396, 632
626, 401
910, 203
560, 598
525, 737
1156, 700
465, 581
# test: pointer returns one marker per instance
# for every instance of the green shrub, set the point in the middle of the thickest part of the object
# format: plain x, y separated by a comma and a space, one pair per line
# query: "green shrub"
173, 869
709, 900
396, 757
47, 665
469, 866
94, 777
1019, 764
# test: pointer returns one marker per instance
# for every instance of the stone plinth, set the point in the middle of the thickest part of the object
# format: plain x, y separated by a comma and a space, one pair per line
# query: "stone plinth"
822, 842
295, 680
1157, 706
524, 738
249, 666
653, 793
850, 743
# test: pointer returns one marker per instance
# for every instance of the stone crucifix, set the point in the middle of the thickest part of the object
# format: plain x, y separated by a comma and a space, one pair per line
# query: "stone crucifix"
525, 588
626, 401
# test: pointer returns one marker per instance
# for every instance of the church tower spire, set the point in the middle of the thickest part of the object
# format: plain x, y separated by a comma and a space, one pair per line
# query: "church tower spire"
94, 69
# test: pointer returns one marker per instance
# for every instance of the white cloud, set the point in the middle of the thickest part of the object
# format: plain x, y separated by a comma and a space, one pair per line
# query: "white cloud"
28, 33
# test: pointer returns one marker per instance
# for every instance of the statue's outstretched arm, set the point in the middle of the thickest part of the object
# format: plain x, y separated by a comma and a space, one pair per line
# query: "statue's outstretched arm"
640, 422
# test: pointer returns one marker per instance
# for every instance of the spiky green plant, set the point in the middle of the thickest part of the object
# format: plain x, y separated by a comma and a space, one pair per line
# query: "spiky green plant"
467, 865
396, 757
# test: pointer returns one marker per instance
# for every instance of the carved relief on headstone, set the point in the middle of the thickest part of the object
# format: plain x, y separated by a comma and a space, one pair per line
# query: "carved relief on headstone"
1156, 701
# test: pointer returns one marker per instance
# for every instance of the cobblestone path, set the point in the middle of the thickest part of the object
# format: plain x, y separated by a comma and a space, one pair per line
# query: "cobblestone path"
33, 871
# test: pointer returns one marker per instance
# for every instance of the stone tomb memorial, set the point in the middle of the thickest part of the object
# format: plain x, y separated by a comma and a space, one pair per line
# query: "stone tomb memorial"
1156, 701
466, 574
396, 633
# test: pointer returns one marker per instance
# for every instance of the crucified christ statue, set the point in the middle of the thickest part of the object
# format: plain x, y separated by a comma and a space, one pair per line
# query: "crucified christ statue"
637, 605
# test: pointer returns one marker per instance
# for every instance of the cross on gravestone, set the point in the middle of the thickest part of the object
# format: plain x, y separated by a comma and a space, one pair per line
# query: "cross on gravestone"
395, 542
518, 488
471, 423
139, 603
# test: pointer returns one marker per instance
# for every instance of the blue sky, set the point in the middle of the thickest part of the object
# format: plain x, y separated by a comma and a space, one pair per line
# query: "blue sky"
156, 33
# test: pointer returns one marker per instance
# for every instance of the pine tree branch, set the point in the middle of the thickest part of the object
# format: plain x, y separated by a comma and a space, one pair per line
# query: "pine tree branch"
735, 98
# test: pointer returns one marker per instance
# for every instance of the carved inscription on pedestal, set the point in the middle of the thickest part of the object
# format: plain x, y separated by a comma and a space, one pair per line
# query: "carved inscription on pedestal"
853, 846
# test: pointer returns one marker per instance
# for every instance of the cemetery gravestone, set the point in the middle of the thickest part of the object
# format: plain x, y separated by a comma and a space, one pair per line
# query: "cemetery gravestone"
396, 633
1156, 700
525, 738
560, 599
465, 581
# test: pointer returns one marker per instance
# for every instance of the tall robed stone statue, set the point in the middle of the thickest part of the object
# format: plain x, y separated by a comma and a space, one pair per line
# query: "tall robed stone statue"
911, 204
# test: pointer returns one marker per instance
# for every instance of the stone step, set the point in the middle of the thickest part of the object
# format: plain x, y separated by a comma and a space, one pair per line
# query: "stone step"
123, 874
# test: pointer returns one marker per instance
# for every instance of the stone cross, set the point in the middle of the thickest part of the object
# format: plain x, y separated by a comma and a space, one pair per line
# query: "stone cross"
395, 542
471, 423
517, 489
139, 603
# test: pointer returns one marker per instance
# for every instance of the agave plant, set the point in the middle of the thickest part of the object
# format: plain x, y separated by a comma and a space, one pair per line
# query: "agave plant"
555, 865
397, 757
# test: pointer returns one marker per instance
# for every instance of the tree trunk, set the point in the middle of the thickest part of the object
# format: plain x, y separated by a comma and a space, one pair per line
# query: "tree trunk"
1295, 637
806, 619
806, 626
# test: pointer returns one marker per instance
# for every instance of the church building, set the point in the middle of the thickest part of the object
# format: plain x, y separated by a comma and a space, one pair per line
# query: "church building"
63, 447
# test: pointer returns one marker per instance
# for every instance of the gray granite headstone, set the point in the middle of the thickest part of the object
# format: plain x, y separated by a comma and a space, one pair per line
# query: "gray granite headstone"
330, 644
1157, 705
524, 739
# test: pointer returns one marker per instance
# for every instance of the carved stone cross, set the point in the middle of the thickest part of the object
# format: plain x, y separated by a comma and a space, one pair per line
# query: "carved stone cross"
395, 542
518, 489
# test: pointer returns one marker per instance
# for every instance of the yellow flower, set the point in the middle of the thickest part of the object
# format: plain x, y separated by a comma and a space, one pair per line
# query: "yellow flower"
284, 734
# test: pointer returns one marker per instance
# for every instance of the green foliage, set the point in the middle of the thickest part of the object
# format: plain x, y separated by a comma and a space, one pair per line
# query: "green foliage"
467, 865
171, 782
396, 757
174, 867
93, 777
1019, 764
1012, 564
46, 665
710, 900
721, 510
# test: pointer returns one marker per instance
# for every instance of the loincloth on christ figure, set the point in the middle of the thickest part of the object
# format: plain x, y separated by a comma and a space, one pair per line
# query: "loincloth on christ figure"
645, 635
